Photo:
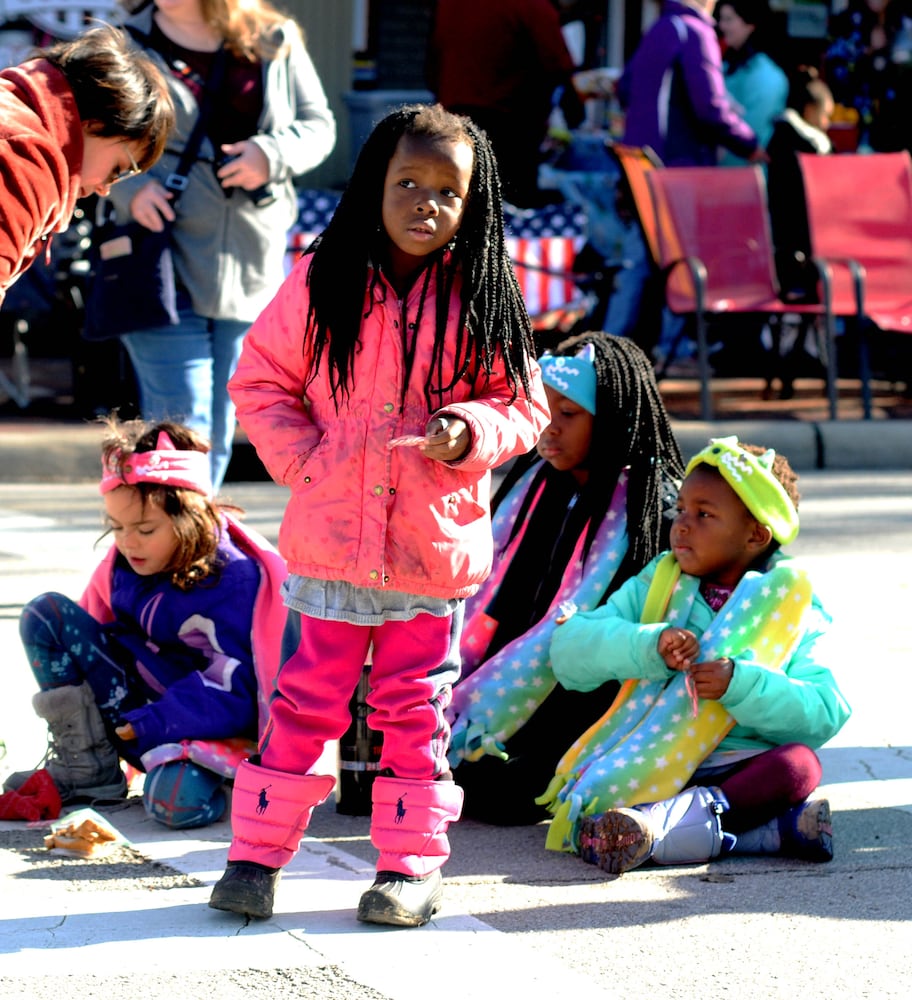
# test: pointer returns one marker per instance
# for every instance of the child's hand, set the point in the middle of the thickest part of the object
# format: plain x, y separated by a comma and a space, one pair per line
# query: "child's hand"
678, 647
712, 677
447, 438
126, 731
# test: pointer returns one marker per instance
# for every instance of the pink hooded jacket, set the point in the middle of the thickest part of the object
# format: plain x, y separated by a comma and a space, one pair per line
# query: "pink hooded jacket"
361, 511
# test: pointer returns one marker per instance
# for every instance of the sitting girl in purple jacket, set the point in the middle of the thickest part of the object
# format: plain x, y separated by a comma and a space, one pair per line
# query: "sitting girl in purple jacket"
166, 659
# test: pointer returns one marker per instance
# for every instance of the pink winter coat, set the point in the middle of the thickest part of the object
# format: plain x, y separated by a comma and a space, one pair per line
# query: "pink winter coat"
360, 511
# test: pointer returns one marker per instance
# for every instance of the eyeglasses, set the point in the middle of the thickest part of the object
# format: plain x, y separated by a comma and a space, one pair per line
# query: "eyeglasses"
131, 171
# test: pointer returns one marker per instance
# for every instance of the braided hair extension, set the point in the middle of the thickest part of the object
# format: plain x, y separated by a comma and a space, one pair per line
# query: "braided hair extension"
631, 428
492, 314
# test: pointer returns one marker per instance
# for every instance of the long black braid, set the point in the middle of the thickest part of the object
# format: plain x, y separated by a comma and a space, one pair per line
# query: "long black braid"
630, 428
492, 315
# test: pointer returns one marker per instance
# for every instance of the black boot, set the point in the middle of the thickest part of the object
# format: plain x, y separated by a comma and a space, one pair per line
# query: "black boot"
402, 900
247, 888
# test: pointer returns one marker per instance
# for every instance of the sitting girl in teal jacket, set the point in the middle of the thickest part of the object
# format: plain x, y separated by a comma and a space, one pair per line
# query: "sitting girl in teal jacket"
718, 642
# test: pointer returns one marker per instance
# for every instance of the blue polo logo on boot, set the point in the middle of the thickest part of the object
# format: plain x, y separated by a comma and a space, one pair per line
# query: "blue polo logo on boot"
400, 809
263, 803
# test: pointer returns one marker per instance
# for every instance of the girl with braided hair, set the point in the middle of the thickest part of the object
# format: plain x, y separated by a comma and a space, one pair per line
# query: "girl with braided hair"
574, 519
392, 372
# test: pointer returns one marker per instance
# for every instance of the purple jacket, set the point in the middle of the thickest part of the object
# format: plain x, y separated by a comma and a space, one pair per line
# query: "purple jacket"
674, 94
210, 654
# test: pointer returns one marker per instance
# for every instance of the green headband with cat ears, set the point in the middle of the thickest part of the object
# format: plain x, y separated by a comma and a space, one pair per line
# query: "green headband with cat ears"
751, 477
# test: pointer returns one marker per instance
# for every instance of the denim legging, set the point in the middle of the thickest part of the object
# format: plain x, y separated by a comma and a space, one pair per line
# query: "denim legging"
66, 645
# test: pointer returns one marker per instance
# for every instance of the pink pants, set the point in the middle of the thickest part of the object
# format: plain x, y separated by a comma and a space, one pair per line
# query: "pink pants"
414, 666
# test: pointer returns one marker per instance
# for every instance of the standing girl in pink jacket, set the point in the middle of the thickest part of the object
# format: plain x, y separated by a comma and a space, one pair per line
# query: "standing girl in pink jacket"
392, 372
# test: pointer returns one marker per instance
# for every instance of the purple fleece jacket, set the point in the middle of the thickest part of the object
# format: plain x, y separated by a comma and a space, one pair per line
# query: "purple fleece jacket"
207, 657
673, 91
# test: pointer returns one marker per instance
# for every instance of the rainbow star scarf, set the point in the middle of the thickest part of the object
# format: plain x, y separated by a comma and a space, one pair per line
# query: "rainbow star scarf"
649, 743
498, 697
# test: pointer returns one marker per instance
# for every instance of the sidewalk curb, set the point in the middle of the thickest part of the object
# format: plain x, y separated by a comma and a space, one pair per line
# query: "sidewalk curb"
830, 444
49, 452
54, 452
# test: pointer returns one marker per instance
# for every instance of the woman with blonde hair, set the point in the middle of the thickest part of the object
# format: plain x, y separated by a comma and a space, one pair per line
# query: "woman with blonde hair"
268, 121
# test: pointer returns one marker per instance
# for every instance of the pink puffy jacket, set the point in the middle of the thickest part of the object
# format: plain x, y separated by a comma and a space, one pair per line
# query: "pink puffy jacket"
360, 511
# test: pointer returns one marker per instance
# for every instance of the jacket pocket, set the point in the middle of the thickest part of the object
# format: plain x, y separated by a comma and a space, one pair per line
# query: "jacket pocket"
458, 495
310, 469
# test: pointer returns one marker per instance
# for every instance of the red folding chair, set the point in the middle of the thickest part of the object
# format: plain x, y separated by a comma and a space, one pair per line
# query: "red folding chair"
716, 250
860, 216
635, 162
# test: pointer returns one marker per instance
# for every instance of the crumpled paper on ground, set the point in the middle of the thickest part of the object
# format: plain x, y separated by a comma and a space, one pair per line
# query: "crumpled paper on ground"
83, 834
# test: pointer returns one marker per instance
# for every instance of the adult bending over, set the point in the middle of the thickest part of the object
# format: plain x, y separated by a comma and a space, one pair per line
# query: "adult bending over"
74, 120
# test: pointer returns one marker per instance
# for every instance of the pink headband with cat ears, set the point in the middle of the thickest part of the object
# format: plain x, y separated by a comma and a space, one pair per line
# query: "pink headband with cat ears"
167, 466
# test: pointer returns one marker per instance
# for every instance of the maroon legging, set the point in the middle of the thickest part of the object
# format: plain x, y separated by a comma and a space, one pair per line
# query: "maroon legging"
762, 787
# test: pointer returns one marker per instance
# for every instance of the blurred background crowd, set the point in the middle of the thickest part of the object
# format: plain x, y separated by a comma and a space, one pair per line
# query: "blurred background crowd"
552, 82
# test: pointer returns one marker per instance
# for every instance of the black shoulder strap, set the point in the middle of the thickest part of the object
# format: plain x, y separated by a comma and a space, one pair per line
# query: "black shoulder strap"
176, 181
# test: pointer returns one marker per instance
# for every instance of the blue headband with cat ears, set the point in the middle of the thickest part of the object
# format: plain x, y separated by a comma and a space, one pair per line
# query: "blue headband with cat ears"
572, 376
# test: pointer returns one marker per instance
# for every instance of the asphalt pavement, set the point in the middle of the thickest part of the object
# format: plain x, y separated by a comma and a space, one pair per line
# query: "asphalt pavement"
517, 919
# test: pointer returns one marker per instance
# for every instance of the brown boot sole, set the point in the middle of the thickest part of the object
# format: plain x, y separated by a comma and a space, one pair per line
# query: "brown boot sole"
616, 841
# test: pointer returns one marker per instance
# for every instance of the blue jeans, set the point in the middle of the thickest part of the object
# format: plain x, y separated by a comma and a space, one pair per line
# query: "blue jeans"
183, 373
626, 301
66, 645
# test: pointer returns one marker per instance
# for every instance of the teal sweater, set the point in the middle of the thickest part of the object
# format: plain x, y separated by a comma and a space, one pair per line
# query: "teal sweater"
758, 89
801, 704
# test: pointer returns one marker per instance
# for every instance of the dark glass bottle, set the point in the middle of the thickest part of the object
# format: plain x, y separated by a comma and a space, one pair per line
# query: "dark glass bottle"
359, 755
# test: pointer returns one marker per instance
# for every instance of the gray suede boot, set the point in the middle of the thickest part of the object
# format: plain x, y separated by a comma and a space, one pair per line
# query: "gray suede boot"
80, 757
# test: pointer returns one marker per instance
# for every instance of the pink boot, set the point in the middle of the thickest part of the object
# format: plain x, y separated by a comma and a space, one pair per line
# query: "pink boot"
270, 811
408, 827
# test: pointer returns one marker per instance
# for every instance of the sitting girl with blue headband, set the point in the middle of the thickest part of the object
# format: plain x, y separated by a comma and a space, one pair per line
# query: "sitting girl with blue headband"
573, 520
168, 658
719, 643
